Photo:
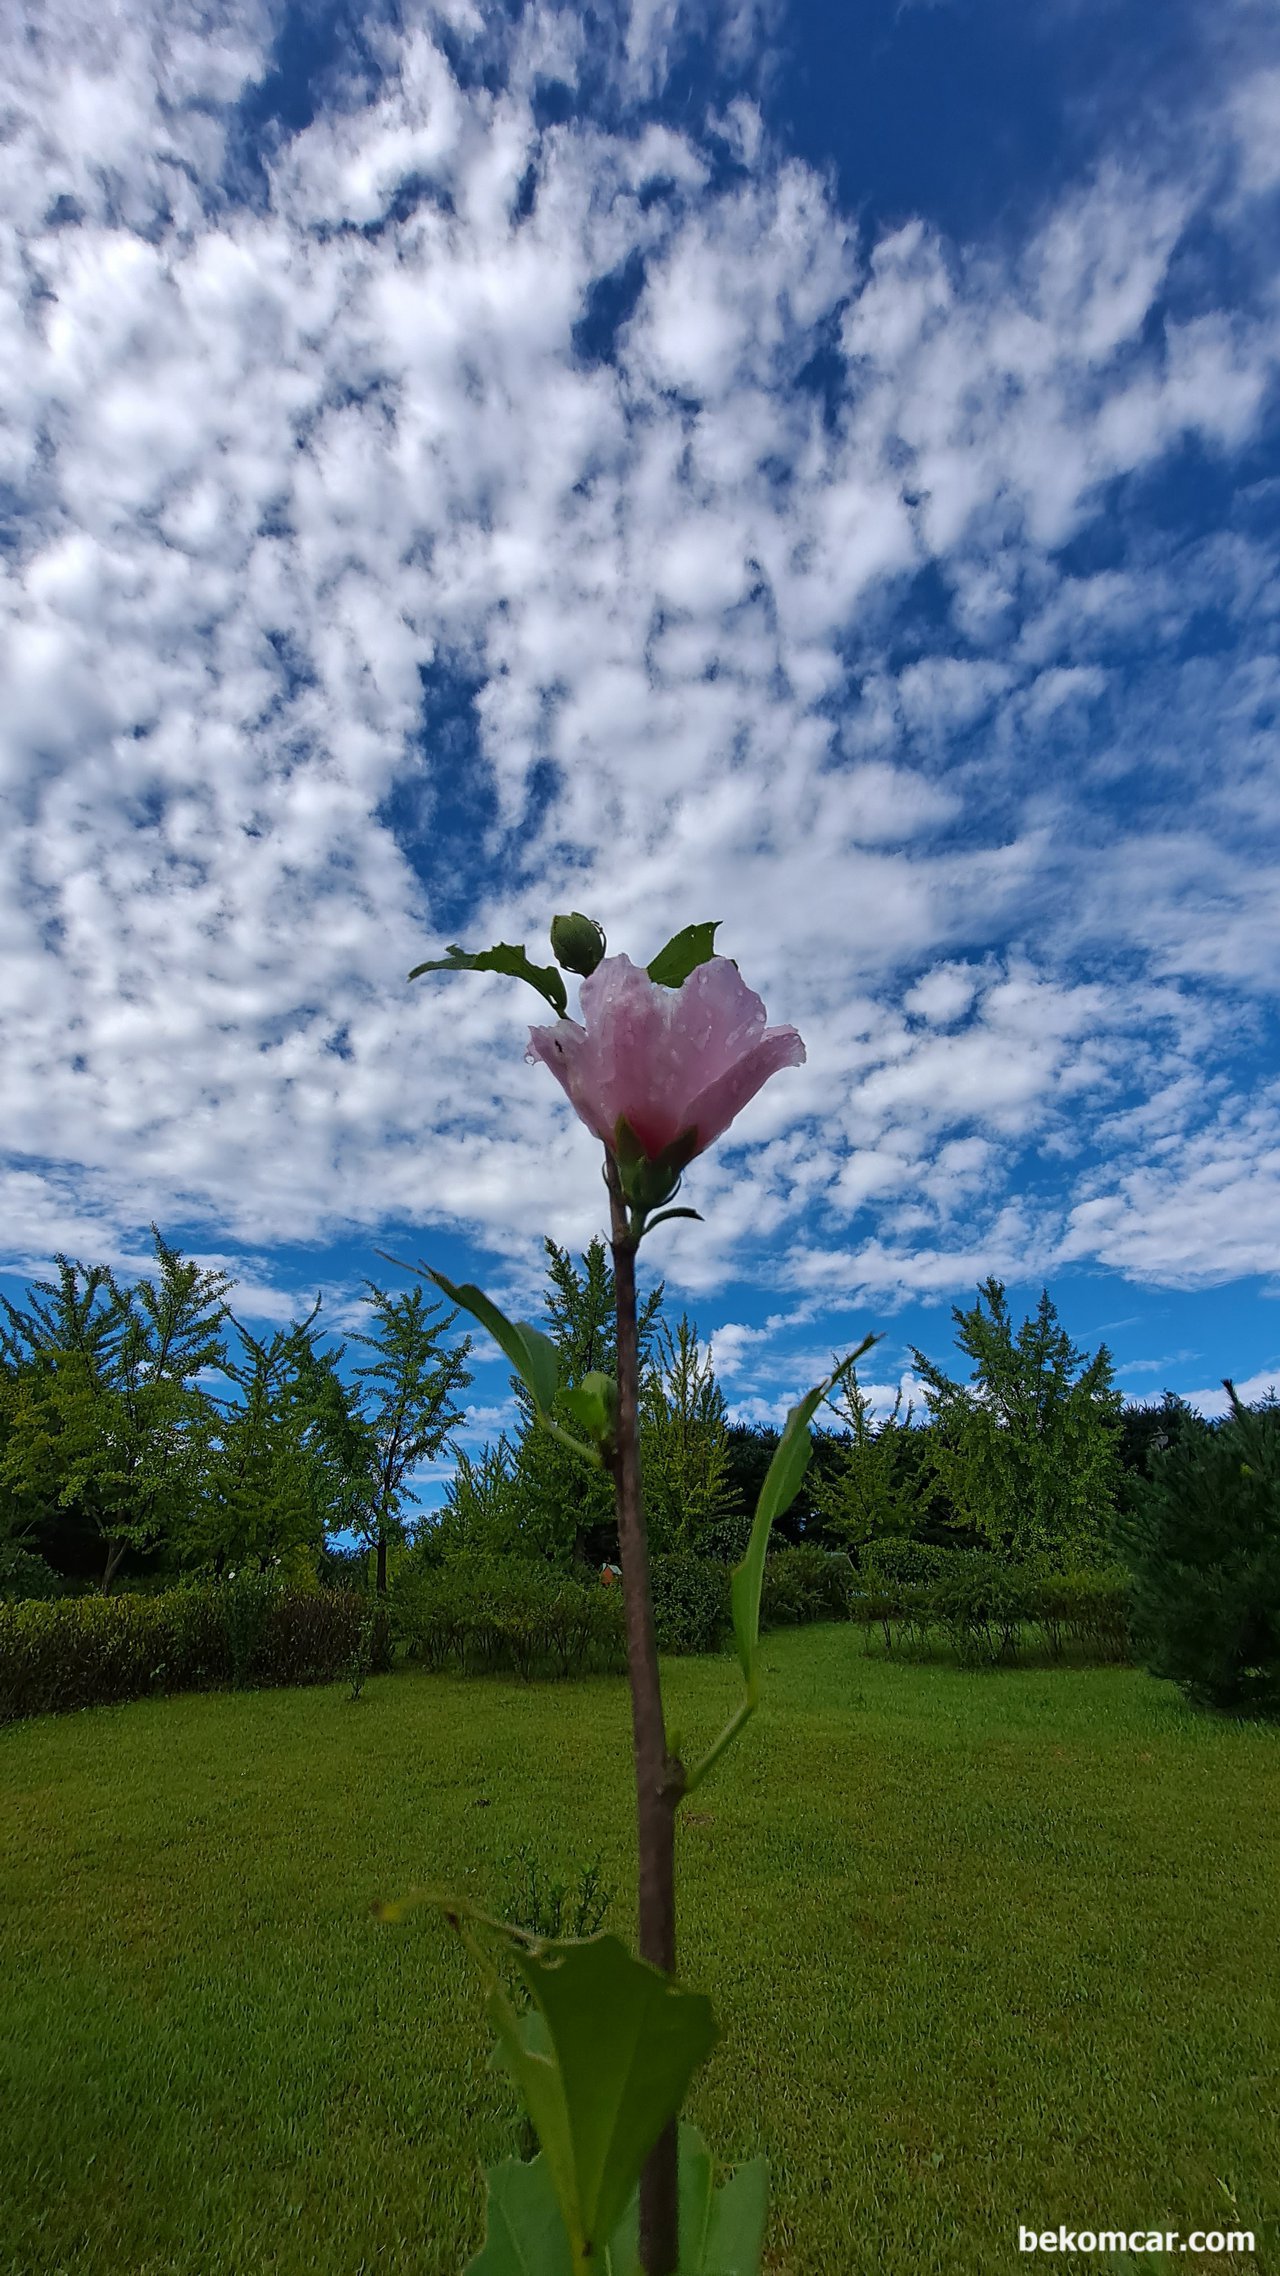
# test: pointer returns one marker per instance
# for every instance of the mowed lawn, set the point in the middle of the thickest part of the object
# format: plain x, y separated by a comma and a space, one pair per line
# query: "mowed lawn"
985, 1949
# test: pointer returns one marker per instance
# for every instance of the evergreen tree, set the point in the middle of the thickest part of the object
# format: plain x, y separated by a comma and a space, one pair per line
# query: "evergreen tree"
868, 1498
1027, 1454
684, 1445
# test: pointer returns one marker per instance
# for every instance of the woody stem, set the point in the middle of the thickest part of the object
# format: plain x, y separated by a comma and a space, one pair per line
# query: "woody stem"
659, 1777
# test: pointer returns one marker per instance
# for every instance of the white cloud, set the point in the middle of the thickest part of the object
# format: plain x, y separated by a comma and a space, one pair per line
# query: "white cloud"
277, 466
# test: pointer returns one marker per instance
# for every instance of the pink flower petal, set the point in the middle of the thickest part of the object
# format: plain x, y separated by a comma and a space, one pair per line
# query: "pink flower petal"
665, 1058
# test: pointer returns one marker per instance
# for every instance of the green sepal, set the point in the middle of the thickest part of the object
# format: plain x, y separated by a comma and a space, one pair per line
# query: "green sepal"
649, 1184
721, 2230
684, 952
503, 958
532, 1354
782, 1484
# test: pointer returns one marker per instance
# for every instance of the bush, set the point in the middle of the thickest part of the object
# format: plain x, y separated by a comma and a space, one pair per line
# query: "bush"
691, 1604
482, 1613
895, 1563
1203, 1544
982, 1604
1093, 1608
805, 1583
25, 1578
93, 1651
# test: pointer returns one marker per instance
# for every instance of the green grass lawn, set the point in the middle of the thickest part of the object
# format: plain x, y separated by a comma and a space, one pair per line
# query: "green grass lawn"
985, 1949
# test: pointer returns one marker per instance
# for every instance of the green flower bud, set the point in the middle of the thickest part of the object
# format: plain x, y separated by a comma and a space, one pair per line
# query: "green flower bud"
577, 943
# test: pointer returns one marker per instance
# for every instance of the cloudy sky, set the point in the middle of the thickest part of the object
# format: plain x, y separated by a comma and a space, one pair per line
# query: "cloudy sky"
460, 463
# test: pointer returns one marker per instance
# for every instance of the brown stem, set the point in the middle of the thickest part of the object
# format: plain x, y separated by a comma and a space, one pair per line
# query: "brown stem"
659, 1777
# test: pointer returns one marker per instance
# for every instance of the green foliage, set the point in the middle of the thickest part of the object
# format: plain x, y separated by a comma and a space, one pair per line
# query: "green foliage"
546, 1908
805, 1583
24, 1578
92, 1651
602, 2063
1095, 1609
721, 2230
539, 1499
101, 1412
982, 1604
692, 1610
684, 1453
1027, 1455
1203, 1544
410, 1417
906, 1563
504, 958
487, 1613
869, 1495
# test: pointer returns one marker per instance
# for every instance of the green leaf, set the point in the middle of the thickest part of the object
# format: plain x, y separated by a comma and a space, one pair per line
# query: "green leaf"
532, 1354
526, 2235
721, 2230
594, 1404
782, 1484
652, 1221
684, 952
503, 958
626, 2042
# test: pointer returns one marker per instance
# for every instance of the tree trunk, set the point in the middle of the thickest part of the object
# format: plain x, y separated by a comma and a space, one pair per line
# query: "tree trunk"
659, 1777
382, 1564
115, 1558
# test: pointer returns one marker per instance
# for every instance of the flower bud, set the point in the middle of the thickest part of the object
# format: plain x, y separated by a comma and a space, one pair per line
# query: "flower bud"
577, 943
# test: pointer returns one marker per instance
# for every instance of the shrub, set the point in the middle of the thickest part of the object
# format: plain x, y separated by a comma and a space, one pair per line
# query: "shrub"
691, 1602
1093, 1608
92, 1651
982, 1603
894, 1564
805, 1583
24, 1577
1203, 1544
488, 1612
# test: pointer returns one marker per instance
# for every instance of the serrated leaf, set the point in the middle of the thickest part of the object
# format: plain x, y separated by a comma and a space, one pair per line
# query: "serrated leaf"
721, 2230
526, 2235
532, 1354
684, 952
503, 958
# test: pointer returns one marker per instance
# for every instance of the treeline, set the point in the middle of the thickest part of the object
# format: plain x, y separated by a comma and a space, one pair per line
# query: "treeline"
121, 1463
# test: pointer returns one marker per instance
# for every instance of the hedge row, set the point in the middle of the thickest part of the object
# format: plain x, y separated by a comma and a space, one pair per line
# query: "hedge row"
91, 1651
981, 1608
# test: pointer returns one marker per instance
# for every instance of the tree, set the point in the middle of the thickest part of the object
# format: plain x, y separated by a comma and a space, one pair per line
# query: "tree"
557, 1508
1201, 1538
688, 1487
867, 1497
102, 1411
266, 1492
1028, 1456
410, 1419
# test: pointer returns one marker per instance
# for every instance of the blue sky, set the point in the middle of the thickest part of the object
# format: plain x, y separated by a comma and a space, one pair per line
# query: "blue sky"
817, 469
